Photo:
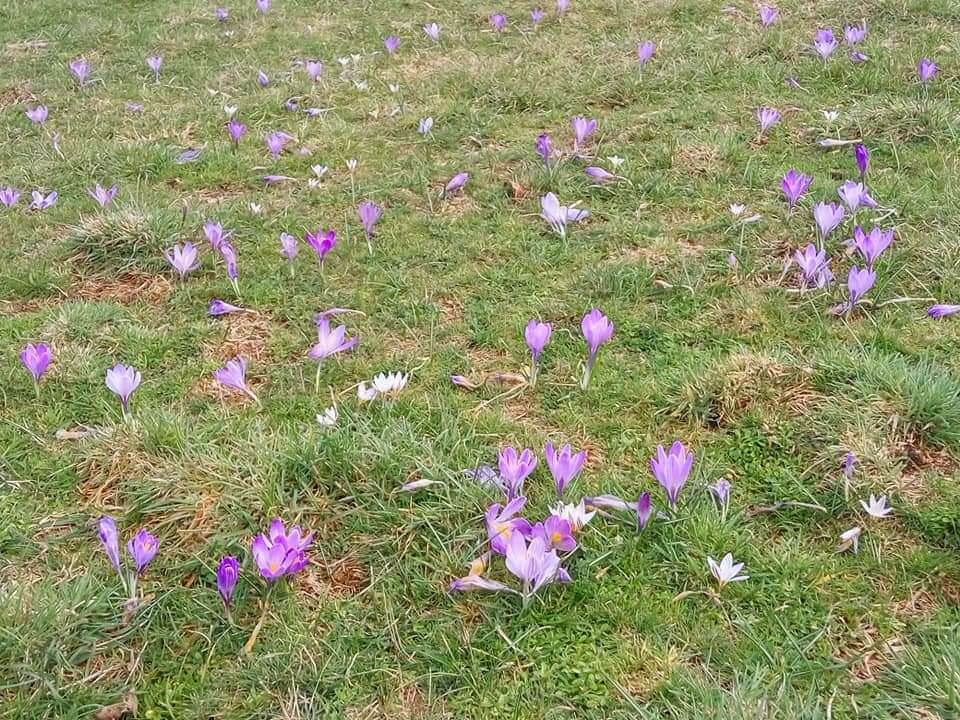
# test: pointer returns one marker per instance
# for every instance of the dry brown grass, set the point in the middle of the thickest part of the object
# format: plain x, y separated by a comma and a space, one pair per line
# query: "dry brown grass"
135, 286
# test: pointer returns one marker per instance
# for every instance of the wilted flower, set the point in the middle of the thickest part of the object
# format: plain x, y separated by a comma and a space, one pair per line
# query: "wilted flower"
672, 470
814, 267
827, 217
645, 52
582, 129
871, 245
940, 311
876, 507
576, 515
328, 418
432, 31
455, 183
37, 114
767, 117
611, 502
276, 142
599, 175
278, 552
107, 532
313, 68
597, 330
183, 258
142, 548
926, 69
644, 510
234, 374
41, 201
236, 130
80, 69
463, 382
227, 573
862, 156
322, 242
498, 21
849, 539
854, 194
514, 469
537, 335
768, 15
558, 215
824, 43
122, 380
9, 196
103, 197
858, 57
564, 465
219, 307
391, 43
36, 359
726, 571
794, 186
858, 283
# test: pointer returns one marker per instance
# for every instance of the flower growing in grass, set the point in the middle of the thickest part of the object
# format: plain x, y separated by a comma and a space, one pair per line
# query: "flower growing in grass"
672, 470
582, 130
279, 552
107, 532
859, 283
502, 523
872, 244
537, 335
942, 311
721, 491
314, 68
425, 125
576, 515
391, 43
102, 196
222, 14
544, 148
557, 215
644, 510
498, 22
515, 468
263, 6
81, 70
862, 156
564, 465
768, 15
122, 380
767, 117
599, 175
854, 194
534, 565
853, 34
926, 69
183, 258
369, 214
876, 506
36, 359
330, 342
824, 43
229, 255
455, 183
794, 186
276, 141
42, 202
556, 532
216, 234
597, 330
432, 31
234, 374
562, 6
814, 267
236, 130
142, 548
645, 52
328, 418
288, 249
263, 80
850, 539
227, 574
383, 385
154, 62
219, 307
322, 243
37, 114
9, 196
827, 216
726, 571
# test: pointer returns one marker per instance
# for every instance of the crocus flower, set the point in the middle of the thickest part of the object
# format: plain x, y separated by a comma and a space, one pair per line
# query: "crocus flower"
80, 69
558, 215
794, 186
222, 14
425, 125
122, 380
263, 6
852, 34
236, 130
564, 465
234, 374
288, 248
276, 142
599, 175
824, 43
872, 244
534, 565
858, 57
848, 463
313, 68
227, 573
611, 502
858, 283
37, 114
278, 552
328, 418
216, 234
472, 581
219, 307
854, 194
455, 183
229, 255
556, 532
9, 196
432, 31
827, 217
498, 21
537, 335
322, 242
544, 148
876, 507
721, 490
154, 62
644, 510
941, 311
814, 267
330, 341
862, 156
41, 201
536, 16
926, 69
386, 384
576, 515
263, 80
562, 6
514, 469
463, 382
391, 43
726, 571
645, 52
183, 258
768, 15
36, 359
582, 129
672, 470
142, 548
369, 215
502, 522
103, 197
849, 539
597, 330
107, 532
767, 117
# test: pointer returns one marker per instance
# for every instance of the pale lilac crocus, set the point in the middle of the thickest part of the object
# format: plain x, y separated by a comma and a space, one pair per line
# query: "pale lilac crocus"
288, 248
227, 574
597, 330
827, 216
853, 34
330, 342
814, 267
37, 114
824, 43
564, 465
9, 196
534, 565
849, 461
644, 510
182, 258
234, 375
263, 80
536, 17
229, 255
926, 69
599, 175
854, 194
369, 214
768, 15
432, 31
81, 70
122, 380
672, 469
514, 468
36, 359
767, 117
858, 57
872, 244
222, 14
107, 532
425, 125
537, 335
862, 156
645, 52
726, 571
219, 307
455, 183
557, 215
942, 311
42, 202
236, 130
498, 22
154, 62
276, 141
544, 148
556, 532
391, 43
582, 129
263, 6
279, 552
502, 523
562, 6
216, 234
322, 243
794, 186
859, 283
721, 491
101, 195
314, 68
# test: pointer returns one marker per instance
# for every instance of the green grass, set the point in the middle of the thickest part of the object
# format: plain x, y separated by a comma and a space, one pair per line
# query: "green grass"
767, 389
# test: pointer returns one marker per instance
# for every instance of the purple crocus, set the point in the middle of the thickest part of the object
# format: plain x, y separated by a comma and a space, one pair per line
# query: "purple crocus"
597, 330
644, 510
227, 573
537, 335
234, 375
562, 6
219, 307
37, 114
768, 15
564, 465
859, 283
455, 183
827, 216
502, 522
42, 202
557, 215
154, 62
142, 548
926, 69
80, 69
824, 43
534, 565
9, 196
862, 156
369, 214
514, 468
794, 186
288, 248
645, 52
322, 242
853, 34
672, 470
263, 6
183, 258
536, 17
432, 31
229, 255
814, 267
544, 148
872, 244
278, 552
854, 194
329, 342
556, 532
263, 80
767, 117
313, 68
942, 311
102, 196
107, 532
122, 380
236, 131
721, 491
216, 234
599, 175
858, 57
36, 359
276, 142
222, 14
498, 22
391, 43
582, 129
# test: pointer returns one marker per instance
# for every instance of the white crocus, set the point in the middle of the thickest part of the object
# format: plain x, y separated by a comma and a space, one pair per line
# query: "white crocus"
726, 571
328, 418
877, 506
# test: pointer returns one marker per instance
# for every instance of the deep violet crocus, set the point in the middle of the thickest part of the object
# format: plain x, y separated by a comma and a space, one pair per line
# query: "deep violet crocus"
107, 532
322, 242
514, 468
219, 307
391, 43
672, 470
142, 548
862, 156
768, 15
597, 330
101, 195
859, 283
582, 129
556, 532
942, 311
36, 359
498, 22
644, 510
827, 216
926, 69
227, 573
814, 267
432, 31
564, 465
872, 244
81, 70
794, 186
183, 258
369, 214
767, 117
824, 43
537, 335
122, 381
9, 196
37, 114
234, 375
455, 183
236, 130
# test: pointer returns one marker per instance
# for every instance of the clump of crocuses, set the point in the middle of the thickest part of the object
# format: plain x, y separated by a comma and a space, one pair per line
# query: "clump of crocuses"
142, 548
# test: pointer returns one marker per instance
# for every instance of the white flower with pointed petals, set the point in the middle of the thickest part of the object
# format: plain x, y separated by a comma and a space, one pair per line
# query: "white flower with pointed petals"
830, 115
366, 394
390, 383
576, 515
256, 208
328, 418
319, 170
352, 164
876, 507
737, 210
394, 87
616, 161
849, 539
230, 110
726, 571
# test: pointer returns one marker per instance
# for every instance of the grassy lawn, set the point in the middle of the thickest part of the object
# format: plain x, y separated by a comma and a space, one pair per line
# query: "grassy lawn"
714, 346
